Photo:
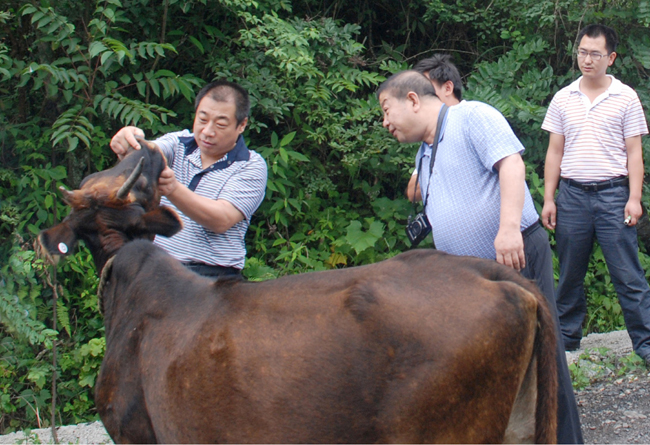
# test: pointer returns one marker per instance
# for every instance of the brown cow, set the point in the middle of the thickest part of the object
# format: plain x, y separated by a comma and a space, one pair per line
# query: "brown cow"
424, 347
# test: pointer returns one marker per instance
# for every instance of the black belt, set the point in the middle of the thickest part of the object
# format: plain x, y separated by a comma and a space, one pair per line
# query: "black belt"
598, 186
531, 228
210, 270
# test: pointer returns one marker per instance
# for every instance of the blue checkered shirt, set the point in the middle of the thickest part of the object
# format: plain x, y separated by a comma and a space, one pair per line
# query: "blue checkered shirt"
464, 200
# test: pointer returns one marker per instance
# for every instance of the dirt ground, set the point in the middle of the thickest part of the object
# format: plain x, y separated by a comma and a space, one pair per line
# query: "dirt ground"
616, 412
614, 408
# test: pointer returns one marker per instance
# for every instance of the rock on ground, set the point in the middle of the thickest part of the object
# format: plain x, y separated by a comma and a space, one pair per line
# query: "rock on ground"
86, 433
618, 342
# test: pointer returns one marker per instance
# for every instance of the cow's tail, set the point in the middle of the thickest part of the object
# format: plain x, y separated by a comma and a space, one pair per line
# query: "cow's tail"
545, 351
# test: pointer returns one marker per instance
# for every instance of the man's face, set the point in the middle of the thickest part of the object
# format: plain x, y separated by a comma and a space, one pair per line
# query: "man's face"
215, 127
398, 117
588, 66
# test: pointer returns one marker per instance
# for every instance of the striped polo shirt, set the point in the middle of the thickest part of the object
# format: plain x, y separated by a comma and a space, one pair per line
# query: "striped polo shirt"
239, 178
595, 133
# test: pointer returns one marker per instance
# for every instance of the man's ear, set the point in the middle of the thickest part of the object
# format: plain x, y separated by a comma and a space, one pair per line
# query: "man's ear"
242, 126
413, 98
612, 58
448, 88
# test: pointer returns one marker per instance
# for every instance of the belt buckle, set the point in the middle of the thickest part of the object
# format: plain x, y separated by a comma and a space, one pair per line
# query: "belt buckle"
590, 187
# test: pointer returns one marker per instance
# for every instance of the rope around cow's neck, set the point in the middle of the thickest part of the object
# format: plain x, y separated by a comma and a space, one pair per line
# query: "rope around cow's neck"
106, 271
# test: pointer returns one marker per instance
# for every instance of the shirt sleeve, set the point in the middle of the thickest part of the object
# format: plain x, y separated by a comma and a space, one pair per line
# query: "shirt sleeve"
246, 188
169, 142
491, 136
553, 119
635, 123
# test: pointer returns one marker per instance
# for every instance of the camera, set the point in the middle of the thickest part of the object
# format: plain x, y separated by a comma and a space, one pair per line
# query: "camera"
417, 228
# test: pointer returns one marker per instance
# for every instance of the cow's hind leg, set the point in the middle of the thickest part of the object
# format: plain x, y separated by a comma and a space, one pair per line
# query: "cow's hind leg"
521, 426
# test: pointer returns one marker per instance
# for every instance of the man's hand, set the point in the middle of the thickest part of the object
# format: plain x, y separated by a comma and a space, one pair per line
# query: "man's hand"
167, 182
509, 245
634, 210
124, 139
549, 214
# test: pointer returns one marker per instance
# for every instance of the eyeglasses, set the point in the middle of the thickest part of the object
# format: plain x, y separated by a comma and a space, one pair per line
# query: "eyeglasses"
582, 54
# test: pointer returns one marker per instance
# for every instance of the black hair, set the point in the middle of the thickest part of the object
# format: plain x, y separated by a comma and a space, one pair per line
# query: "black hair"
440, 68
224, 91
400, 84
595, 30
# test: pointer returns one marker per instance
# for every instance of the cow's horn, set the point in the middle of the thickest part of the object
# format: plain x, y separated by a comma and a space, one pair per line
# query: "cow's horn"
67, 194
130, 182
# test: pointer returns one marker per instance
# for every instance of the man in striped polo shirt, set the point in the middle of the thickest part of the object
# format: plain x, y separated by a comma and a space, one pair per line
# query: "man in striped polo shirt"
595, 156
212, 179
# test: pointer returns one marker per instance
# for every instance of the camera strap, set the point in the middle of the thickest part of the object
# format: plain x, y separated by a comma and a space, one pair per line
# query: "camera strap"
434, 149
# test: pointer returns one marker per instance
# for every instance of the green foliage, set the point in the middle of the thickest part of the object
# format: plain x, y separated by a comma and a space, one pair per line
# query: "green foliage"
604, 313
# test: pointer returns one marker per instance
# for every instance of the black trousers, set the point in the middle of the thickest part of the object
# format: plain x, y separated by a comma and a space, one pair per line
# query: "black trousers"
539, 267
212, 271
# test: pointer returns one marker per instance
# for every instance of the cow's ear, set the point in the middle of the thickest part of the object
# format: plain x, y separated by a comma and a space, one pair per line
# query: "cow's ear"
58, 240
162, 221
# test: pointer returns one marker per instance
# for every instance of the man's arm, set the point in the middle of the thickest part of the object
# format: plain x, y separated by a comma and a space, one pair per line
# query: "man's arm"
554, 156
635, 171
216, 215
509, 243
412, 193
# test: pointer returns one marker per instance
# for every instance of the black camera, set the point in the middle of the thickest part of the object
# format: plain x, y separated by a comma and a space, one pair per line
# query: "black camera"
417, 228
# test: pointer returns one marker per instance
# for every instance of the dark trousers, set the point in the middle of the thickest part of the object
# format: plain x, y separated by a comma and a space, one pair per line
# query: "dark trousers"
213, 271
583, 216
539, 267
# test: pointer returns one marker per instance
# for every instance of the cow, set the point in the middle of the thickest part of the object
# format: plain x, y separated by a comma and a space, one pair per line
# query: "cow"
422, 347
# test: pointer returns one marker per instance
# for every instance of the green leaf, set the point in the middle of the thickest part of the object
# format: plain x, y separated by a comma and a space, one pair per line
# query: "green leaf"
298, 156
62, 316
361, 240
164, 73
155, 86
48, 201
105, 56
142, 87
73, 142
198, 44
284, 155
67, 95
286, 140
96, 48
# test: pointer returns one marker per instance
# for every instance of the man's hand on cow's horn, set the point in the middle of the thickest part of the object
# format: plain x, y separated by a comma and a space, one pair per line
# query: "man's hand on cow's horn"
124, 139
167, 182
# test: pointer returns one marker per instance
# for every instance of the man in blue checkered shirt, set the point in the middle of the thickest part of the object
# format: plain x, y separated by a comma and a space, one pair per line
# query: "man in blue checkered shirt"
476, 197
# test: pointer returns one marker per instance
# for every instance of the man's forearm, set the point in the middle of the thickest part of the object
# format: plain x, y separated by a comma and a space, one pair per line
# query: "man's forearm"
512, 175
